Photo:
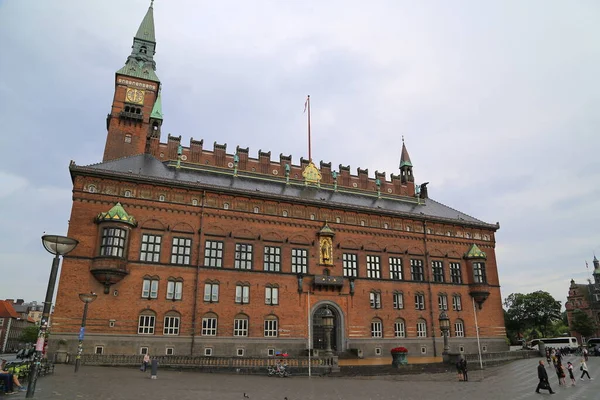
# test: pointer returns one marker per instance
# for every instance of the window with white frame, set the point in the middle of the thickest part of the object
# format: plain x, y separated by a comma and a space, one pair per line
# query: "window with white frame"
350, 264
209, 325
146, 324
113, 242
169, 351
242, 293
271, 327
213, 253
299, 261
270, 352
143, 350
395, 268
243, 256
375, 299
456, 302
92, 188
416, 269
479, 272
271, 295
442, 302
240, 352
208, 351
421, 328
419, 301
240, 326
373, 266
437, 269
150, 250
211, 292
99, 350
399, 328
226, 206
272, 259
171, 326
398, 298
455, 273
459, 328
174, 290
181, 251
376, 328
150, 288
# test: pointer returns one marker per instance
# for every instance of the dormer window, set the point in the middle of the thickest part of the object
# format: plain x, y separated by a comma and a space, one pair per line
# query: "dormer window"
161, 197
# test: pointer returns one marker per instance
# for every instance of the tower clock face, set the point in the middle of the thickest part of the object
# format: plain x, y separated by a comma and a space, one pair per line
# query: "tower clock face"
135, 96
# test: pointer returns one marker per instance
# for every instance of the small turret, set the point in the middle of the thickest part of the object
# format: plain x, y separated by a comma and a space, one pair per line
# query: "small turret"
406, 172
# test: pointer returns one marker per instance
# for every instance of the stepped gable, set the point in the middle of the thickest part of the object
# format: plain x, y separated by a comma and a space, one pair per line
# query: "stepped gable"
144, 166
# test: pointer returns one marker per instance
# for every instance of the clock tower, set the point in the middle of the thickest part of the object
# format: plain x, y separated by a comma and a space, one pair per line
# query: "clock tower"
136, 114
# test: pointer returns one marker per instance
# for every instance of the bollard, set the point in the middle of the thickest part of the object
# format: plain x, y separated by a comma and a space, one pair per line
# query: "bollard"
154, 369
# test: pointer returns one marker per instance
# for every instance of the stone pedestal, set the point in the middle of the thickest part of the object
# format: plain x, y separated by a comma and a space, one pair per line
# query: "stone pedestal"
61, 357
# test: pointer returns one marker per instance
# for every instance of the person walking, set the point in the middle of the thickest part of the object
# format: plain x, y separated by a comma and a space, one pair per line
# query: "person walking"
543, 377
584, 370
571, 375
463, 364
560, 371
459, 370
145, 362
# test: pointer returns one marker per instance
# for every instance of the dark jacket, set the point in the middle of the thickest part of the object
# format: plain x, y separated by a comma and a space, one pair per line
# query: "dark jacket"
542, 374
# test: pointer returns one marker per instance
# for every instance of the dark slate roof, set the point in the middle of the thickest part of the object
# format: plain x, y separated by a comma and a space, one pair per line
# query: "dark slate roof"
145, 166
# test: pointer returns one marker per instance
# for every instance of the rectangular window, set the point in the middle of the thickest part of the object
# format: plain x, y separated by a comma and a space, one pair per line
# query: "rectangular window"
209, 327
437, 268
211, 292
99, 350
208, 351
271, 295
213, 253
456, 303
171, 326
350, 264
376, 330
373, 267
240, 327
143, 350
150, 288
442, 302
270, 328
455, 273
146, 325
459, 329
419, 301
174, 290
399, 329
299, 261
240, 352
398, 301
272, 259
396, 268
113, 242
416, 270
150, 250
375, 299
181, 251
421, 329
242, 294
479, 272
243, 256
169, 351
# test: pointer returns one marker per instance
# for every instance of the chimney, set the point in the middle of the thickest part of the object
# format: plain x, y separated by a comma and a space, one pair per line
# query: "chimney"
220, 151
326, 172
195, 150
243, 155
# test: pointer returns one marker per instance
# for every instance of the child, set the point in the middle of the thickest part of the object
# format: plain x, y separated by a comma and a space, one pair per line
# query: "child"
570, 368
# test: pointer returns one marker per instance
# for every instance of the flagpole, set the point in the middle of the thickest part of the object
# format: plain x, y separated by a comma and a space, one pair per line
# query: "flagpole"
309, 336
309, 146
478, 343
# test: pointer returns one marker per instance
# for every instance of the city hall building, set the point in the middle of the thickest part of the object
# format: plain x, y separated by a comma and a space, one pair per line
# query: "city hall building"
222, 252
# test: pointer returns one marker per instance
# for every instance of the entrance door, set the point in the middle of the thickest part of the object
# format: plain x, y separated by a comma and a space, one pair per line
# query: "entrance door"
318, 331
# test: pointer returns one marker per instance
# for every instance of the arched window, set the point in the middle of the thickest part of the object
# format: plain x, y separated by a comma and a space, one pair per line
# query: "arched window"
456, 302
143, 50
92, 188
146, 323
161, 197
174, 288
399, 328
459, 328
398, 299
272, 294
421, 328
240, 325
442, 301
271, 326
226, 206
375, 299
362, 222
172, 323
209, 324
284, 213
376, 328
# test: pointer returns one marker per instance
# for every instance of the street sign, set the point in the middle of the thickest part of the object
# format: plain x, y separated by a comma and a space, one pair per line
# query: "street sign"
81, 333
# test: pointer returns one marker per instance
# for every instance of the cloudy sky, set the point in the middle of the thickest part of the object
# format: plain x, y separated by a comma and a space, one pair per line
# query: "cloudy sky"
498, 102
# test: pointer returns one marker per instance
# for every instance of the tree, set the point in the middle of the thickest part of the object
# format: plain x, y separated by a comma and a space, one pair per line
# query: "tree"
514, 315
29, 334
583, 323
528, 313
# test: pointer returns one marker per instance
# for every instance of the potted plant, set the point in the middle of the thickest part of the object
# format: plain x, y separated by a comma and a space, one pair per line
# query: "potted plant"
399, 356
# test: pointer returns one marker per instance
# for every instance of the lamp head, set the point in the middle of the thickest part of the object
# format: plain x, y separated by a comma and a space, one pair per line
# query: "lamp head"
59, 245
87, 297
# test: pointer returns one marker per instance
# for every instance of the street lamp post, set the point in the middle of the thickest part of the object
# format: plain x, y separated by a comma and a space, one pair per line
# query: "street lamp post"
59, 246
87, 298
445, 327
327, 319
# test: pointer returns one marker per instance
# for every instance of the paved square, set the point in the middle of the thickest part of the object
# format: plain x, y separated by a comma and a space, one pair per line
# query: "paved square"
516, 380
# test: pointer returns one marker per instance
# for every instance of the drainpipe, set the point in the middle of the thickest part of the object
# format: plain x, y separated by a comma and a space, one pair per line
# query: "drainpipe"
195, 310
428, 277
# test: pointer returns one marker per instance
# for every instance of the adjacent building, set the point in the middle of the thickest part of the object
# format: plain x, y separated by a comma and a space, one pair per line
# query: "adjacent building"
209, 252
585, 297
14, 319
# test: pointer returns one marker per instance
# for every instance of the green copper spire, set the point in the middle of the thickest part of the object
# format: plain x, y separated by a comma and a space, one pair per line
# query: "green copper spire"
404, 157
475, 252
141, 64
116, 214
157, 109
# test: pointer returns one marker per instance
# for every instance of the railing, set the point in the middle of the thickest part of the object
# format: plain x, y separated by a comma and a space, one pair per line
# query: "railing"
502, 356
247, 364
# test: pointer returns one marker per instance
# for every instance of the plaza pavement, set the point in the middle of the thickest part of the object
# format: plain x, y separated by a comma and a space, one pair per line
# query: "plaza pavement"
516, 380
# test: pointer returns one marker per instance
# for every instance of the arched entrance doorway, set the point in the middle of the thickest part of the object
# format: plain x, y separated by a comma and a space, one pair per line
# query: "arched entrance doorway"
319, 332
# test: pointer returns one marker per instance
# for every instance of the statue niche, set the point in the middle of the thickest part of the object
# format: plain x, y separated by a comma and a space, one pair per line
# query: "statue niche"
326, 252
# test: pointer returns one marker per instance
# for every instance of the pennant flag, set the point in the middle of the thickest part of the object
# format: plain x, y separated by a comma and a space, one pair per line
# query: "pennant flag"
305, 104
586, 265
